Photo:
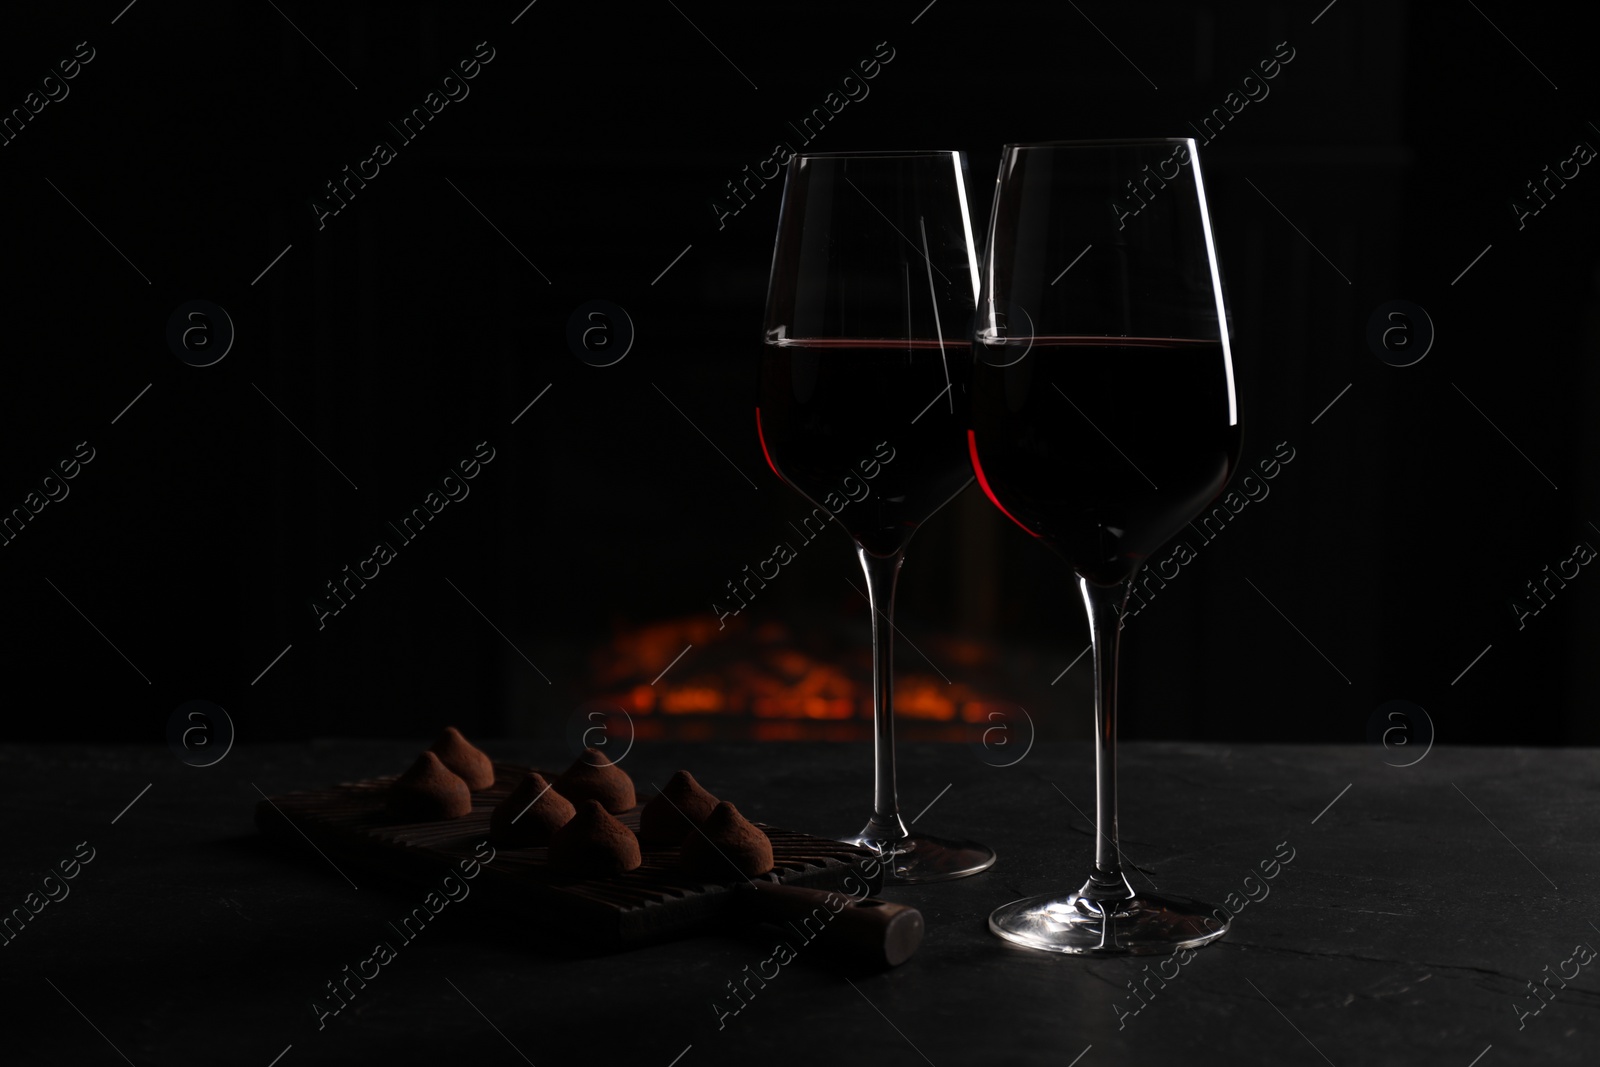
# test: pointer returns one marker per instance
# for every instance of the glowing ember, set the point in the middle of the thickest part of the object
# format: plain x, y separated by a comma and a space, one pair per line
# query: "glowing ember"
756, 682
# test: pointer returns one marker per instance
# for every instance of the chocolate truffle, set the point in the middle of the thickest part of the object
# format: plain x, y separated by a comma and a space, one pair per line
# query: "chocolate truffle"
593, 842
429, 791
461, 757
727, 844
594, 777
672, 814
531, 814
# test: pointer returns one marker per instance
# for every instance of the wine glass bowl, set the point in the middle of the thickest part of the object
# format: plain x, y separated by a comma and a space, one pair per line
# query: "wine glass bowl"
1104, 419
863, 398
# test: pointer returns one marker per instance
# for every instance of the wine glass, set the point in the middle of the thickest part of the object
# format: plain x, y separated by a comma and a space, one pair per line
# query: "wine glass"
1104, 419
863, 397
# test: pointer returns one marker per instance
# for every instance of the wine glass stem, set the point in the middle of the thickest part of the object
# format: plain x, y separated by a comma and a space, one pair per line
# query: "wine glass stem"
882, 573
1105, 604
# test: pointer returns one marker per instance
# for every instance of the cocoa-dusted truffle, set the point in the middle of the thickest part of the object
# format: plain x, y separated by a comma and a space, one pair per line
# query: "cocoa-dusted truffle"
672, 814
464, 759
727, 844
531, 814
429, 791
592, 776
593, 842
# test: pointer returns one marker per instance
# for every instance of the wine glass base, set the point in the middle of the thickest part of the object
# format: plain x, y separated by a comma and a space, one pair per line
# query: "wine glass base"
922, 858
1147, 925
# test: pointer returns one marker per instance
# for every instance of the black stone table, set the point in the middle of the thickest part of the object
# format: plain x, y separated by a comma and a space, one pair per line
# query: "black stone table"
1419, 905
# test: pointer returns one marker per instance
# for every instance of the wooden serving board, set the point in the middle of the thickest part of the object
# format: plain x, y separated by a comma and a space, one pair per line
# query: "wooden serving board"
656, 901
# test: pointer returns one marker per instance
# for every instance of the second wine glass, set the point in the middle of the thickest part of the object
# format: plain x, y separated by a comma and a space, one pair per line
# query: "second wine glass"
1104, 419
863, 399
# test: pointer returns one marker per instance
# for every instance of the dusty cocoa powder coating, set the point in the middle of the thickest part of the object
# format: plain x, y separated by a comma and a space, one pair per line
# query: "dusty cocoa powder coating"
429, 791
463, 758
594, 777
672, 814
594, 843
727, 844
515, 824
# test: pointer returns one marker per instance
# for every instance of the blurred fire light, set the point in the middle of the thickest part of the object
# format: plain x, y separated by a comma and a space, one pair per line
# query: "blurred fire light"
754, 682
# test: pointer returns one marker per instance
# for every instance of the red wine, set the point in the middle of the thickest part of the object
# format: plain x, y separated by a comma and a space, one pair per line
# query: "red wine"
871, 431
1103, 448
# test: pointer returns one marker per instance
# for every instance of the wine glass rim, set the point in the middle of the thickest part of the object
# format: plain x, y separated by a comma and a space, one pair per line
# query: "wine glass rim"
888, 153
1112, 142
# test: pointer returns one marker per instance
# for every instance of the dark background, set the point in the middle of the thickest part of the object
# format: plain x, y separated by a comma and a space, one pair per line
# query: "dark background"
409, 329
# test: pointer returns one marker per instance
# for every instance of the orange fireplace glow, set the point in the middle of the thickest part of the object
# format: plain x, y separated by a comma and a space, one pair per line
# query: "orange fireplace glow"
760, 682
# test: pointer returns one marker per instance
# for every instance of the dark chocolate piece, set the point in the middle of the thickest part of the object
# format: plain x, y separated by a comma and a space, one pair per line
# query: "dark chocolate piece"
429, 791
672, 814
464, 759
593, 842
531, 814
726, 846
592, 776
